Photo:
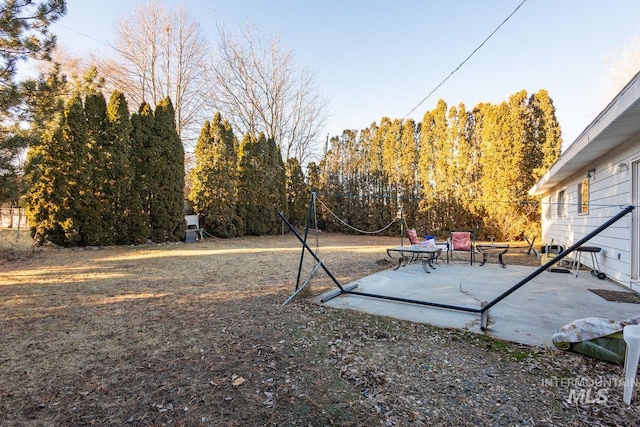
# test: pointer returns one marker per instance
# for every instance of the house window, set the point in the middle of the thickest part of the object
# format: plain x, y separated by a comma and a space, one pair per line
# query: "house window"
583, 197
560, 204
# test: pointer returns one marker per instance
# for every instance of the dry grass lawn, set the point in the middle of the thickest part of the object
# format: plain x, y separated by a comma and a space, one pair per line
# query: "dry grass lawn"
196, 335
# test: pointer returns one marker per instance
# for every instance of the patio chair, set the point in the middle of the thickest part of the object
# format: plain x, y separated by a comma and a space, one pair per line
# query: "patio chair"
412, 257
413, 237
461, 241
430, 241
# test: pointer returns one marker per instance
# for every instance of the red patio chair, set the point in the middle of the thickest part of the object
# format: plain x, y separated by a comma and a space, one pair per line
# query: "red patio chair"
413, 237
461, 241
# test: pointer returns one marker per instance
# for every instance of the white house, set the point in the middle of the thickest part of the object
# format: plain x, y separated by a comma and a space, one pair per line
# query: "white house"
592, 180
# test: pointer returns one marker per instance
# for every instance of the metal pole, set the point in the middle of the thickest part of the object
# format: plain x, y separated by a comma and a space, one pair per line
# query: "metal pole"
412, 301
306, 232
305, 246
304, 285
557, 258
402, 226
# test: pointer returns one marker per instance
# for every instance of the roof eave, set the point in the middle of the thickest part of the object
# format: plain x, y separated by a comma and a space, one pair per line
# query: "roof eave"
613, 126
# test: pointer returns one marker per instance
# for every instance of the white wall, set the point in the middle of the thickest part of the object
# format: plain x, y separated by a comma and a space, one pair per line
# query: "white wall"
609, 191
12, 218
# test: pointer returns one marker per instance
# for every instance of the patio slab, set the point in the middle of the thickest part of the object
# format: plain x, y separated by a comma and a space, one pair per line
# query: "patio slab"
530, 315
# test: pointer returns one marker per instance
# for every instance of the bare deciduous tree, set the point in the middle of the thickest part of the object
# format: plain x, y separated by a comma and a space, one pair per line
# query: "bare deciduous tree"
256, 86
622, 66
160, 53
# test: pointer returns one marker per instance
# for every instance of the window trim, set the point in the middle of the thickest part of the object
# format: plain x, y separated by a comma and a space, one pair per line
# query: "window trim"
549, 207
561, 211
583, 197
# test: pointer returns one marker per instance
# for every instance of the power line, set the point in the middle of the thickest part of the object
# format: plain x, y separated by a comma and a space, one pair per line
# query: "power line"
88, 37
82, 34
466, 59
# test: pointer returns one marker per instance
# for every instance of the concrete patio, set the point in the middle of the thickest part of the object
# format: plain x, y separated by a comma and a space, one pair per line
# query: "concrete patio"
530, 315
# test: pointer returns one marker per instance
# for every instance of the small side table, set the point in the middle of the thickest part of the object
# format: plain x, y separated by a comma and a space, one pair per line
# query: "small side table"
593, 250
493, 250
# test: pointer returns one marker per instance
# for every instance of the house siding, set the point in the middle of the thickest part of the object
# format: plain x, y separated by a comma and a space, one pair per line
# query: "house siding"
610, 189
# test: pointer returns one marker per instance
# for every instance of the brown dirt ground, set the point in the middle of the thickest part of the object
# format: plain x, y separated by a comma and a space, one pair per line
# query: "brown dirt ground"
197, 335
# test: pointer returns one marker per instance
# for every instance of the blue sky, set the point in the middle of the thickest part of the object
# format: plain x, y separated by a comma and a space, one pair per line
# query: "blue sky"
375, 58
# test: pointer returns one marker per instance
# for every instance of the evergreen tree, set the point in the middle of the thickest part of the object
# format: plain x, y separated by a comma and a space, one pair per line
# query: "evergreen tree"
97, 218
474, 168
80, 218
358, 188
215, 181
46, 186
546, 143
125, 217
143, 159
368, 173
351, 208
436, 168
333, 184
313, 178
544, 148
464, 187
506, 173
250, 184
261, 185
47, 103
24, 35
92, 183
158, 159
400, 159
407, 178
81, 154
276, 192
167, 182
314, 184
378, 178
447, 169
58, 180
385, 198
297, 193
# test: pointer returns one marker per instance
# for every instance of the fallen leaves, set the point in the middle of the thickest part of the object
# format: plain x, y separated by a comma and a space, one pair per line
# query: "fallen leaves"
223, 351
237, 381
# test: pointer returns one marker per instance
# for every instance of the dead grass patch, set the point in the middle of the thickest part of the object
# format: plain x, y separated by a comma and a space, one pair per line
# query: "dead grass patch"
197, 335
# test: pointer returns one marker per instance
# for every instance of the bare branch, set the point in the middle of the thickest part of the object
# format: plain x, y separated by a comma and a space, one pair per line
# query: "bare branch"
161, 53
257, 87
